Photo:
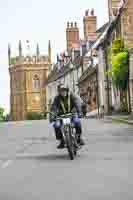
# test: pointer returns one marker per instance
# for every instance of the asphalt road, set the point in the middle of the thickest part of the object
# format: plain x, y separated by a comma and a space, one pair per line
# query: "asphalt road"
31, 168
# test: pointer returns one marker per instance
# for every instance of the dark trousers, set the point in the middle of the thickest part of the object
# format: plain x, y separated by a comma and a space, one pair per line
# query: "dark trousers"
77, 125
59, 136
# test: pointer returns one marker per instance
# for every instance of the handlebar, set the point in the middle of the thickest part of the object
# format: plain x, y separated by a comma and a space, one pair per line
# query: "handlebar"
62, 116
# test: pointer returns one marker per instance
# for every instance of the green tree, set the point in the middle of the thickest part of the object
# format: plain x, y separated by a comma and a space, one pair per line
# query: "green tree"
1, 114
117, 46
7, 117
120, 70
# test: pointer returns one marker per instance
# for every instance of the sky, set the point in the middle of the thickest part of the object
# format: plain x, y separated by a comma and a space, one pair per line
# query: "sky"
39, 21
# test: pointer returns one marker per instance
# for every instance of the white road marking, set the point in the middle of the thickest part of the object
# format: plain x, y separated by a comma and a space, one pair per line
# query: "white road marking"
6, 164
26, 145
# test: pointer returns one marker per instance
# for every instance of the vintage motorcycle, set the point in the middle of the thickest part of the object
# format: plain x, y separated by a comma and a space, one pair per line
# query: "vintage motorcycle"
69, 132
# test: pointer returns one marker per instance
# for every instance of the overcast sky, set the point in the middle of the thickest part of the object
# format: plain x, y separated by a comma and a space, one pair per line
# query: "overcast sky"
39, 21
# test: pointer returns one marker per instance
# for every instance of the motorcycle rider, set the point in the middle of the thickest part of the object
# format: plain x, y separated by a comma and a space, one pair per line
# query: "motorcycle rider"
64, 103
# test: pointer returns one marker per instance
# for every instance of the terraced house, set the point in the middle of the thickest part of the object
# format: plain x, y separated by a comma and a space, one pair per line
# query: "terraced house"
69, 66
95, 84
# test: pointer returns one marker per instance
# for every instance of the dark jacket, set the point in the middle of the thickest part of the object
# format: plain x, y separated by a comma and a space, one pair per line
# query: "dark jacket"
57, 107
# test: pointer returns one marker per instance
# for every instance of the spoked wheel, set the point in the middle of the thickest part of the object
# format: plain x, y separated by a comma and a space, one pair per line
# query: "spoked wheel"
75, 144
70, 143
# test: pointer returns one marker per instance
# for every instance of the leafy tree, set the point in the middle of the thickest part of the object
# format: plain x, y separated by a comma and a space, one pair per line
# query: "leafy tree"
1, 114
117, 46
7, 117
120, 69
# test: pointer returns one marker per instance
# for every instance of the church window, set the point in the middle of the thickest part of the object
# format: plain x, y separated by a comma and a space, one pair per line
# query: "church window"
36, 82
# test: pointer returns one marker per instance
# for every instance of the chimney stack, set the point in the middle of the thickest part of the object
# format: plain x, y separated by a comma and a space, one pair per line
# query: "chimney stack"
9, 54
72, 35
90, 25
20, 48
37, 50
49, 51
113, 6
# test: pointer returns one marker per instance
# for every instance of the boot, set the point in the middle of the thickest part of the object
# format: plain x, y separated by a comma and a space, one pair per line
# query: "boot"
61, 145
80, 141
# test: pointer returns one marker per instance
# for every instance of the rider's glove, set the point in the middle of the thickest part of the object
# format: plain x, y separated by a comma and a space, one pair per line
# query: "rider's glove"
51, 119
79, 115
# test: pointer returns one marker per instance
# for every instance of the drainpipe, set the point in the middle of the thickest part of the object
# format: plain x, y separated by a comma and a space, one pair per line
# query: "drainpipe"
97, 90
107, 81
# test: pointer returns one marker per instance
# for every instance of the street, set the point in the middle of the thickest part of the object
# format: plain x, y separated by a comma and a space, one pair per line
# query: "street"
31, 168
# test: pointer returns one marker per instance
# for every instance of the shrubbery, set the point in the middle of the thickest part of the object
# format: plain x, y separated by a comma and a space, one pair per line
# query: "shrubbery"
36, 115
1, 114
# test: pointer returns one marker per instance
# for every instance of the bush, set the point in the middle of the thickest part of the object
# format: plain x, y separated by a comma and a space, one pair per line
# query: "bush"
1, 114
36, 116
120, 70
7, 118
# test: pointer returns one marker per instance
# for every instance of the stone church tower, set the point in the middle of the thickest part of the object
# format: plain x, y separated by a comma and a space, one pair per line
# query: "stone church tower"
28, 75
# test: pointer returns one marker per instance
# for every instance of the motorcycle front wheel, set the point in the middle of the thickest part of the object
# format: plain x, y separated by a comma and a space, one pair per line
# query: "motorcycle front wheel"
70, 143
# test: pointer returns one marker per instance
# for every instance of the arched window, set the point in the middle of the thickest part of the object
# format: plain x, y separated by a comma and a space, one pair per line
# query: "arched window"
36, 82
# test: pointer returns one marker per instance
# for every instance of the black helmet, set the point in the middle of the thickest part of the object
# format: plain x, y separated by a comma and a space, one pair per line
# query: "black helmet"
62, 87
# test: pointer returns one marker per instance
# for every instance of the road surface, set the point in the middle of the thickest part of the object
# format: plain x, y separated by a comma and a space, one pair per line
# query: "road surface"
31, 168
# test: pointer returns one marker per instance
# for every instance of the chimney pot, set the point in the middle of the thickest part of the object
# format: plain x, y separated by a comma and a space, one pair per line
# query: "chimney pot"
92, 12
86, 12
75, 24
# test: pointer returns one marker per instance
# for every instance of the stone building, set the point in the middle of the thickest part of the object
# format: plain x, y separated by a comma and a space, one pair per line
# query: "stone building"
88, 83
69, 68
28, 75
88, 88
66, 70
126, 18
103, 92
95, 83
125, 28
90, 25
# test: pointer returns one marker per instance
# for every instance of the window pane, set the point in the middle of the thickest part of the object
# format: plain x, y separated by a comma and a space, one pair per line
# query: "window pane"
36, 82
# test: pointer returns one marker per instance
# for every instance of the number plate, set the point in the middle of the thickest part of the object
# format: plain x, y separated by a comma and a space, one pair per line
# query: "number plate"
66, 121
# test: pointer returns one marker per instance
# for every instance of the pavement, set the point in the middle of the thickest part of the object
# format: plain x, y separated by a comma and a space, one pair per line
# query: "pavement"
120, 118
92, 114
31, 168
113, 118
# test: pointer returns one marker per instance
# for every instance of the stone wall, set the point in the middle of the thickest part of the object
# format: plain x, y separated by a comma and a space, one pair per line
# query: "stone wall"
127, 24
